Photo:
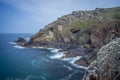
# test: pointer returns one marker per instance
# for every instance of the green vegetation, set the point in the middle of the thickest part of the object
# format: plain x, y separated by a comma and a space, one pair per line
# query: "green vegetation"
116, 15
77, 25
81, 38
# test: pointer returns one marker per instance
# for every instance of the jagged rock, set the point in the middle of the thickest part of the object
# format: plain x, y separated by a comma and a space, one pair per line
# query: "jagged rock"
91, 73
20, 40
109, 61
107, 66
80, 33
82, 27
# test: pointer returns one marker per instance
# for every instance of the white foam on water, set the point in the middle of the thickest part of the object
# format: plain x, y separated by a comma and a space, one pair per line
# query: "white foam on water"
51, 48
12, 43
31, 77
27, 39
41, 48
38, 47
55, 50
73, 60
60, 55
19, 47
82, 67
69, 76
57, 55
67, 67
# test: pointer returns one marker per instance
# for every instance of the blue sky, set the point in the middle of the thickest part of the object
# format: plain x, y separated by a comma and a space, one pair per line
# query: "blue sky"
28, 16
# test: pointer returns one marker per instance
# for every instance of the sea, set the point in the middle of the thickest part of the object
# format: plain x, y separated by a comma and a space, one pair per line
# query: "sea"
20, 63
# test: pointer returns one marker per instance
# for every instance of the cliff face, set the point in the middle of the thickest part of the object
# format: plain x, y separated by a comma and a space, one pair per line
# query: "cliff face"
91, 28
107, 66
109, 61
81, 33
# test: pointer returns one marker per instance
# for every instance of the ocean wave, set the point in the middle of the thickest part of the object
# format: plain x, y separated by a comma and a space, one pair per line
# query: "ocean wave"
58, 55
54, 50
32, 77
12, 43
73, 60
27, 39
68, 67
19, 47
36, 63
38, 47
70, 75
50, 48
29, 77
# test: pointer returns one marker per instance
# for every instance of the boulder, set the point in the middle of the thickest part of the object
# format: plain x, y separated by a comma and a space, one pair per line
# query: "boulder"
108, 59
20, 40
107, 65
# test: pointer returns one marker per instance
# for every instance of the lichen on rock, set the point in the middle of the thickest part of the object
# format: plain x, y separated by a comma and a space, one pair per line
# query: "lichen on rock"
107, 66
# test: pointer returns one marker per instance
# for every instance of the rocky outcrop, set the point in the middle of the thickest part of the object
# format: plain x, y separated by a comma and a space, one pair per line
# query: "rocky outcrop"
20, 41
86, 27
108, 59
92, 29
107, 66
91, 73
81, 33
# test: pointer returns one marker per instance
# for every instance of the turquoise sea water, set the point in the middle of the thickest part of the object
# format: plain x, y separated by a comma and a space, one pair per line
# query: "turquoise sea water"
32, 64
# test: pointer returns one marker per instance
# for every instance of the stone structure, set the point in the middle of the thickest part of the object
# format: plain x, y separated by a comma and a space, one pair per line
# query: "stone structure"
60, 27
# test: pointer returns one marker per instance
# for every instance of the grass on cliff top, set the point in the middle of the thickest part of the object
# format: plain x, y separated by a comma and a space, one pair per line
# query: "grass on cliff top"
76, 25
116, 15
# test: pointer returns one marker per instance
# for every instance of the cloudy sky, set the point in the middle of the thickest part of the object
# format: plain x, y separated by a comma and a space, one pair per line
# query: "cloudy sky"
28, 16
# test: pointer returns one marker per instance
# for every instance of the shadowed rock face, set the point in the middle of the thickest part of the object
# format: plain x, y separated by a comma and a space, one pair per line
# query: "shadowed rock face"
94, 28
20, 40
81, 33
109, 61
107, 66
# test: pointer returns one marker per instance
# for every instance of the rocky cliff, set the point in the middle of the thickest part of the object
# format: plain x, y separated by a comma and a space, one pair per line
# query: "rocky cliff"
81, 33
107, 66
93, 28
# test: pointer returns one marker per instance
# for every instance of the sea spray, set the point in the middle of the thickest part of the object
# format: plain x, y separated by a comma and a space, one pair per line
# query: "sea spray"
57, 55
68, 67
12, 43
73, 60
19, 47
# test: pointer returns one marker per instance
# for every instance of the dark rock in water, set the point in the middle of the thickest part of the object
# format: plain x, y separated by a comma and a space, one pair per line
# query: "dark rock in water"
20, 40
91, 73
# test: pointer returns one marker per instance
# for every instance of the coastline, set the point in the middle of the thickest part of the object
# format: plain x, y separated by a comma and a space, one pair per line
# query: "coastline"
57, 54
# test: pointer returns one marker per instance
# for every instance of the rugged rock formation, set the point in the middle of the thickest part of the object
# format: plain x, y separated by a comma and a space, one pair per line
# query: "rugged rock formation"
107, 66
83, 33
109, 61
91, 73
93, 28
80, 33
21, 41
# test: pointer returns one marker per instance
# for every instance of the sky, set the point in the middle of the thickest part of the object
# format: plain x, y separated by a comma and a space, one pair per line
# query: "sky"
29, 16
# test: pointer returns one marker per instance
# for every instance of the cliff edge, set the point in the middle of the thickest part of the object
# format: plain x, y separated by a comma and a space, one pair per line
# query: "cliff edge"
107, 66
81, 33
